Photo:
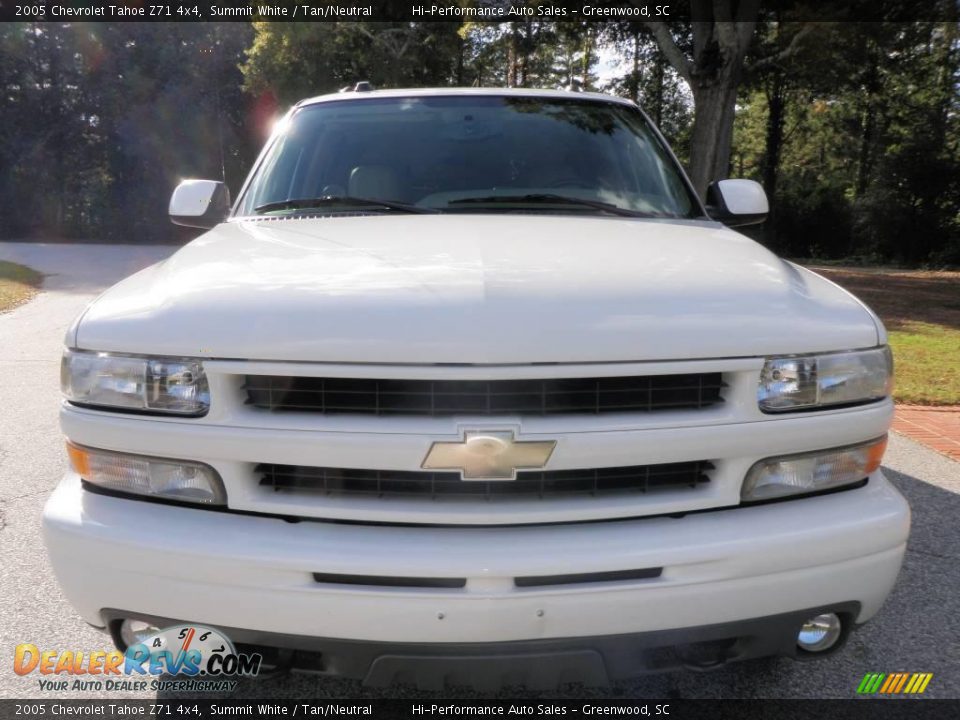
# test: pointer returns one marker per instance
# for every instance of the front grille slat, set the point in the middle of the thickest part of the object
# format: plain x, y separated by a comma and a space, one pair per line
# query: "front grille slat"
591, 396
594, 482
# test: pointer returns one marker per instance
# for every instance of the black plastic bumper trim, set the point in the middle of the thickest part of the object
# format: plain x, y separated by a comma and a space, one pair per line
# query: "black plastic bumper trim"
582, 578
390, 581
540, 664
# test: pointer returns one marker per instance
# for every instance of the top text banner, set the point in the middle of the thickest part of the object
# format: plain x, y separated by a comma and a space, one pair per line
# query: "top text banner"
495, 11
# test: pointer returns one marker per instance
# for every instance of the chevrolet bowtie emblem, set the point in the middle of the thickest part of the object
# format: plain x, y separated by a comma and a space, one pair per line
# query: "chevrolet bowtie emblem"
483, 455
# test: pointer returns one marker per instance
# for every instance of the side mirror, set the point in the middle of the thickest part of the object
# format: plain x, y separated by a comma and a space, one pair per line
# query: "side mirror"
200, 203
737, 202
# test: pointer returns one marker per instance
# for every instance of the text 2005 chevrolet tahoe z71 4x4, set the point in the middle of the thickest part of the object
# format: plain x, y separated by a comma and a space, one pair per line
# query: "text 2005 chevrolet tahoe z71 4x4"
468, 383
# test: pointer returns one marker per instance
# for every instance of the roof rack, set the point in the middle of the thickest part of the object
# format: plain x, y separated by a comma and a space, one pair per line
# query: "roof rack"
362, 86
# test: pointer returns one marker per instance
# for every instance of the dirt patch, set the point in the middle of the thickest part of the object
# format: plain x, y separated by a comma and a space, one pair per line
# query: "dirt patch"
903, 296
921, 310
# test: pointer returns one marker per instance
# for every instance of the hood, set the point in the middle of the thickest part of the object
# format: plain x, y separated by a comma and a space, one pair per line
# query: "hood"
474, 289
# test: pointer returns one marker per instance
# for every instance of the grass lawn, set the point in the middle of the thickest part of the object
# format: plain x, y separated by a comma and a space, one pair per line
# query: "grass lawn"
17, 284
921, 310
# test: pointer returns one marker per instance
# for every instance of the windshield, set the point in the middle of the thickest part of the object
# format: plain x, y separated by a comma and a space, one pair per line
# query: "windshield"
468, 154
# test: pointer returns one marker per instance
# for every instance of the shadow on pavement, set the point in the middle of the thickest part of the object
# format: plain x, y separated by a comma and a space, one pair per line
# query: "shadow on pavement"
83, 269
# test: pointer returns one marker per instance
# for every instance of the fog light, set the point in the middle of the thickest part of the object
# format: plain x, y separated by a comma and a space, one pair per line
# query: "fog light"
134, 632
819, 633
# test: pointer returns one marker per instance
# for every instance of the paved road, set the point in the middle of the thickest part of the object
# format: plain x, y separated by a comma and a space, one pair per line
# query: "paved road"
918, 629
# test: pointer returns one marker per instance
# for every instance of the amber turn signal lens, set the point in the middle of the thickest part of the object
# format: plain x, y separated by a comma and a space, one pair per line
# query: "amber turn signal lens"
875, 454
79, 460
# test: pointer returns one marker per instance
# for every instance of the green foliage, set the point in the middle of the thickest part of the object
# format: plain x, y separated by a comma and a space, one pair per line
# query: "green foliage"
852, 127
298, 60
869, 163
101, 120
651, 82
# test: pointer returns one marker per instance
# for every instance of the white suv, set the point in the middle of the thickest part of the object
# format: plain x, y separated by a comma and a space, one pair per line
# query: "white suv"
467, 386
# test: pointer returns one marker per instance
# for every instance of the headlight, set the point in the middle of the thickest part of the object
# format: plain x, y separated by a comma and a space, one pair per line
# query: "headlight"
810, 381
812, 472
179, 480
161, 385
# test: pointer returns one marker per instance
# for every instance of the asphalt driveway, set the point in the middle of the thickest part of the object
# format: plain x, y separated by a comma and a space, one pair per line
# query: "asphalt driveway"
917, 631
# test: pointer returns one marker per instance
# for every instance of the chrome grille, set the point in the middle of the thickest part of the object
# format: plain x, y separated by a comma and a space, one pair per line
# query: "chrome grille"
636, 479
645, 393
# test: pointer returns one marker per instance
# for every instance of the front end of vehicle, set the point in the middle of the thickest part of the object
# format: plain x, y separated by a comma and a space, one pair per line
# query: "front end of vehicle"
477, 436
680, 522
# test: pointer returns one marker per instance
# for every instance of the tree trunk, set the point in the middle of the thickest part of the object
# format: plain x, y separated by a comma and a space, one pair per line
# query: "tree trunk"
586, 60
513, 57
713, 74
776, 107
712, 134
658, 103
868, 121
461, 52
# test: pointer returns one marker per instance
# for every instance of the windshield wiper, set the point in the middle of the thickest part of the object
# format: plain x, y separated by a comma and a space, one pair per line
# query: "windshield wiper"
551, 199
326, 200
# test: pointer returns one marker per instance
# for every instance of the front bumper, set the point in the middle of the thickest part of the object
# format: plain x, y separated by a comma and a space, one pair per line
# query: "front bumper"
536, 664
256, 573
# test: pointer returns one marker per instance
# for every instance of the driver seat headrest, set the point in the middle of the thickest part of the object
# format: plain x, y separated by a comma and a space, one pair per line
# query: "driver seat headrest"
374, 181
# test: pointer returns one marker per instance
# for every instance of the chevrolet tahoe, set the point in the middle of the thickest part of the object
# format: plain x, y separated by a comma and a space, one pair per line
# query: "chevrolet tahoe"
470, 386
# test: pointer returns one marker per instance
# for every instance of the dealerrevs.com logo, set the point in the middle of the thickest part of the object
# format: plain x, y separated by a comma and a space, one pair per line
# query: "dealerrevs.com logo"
197, 658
